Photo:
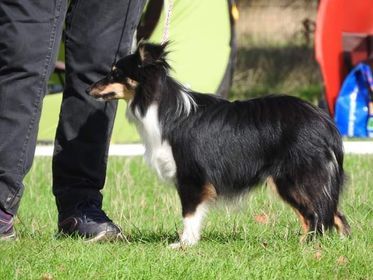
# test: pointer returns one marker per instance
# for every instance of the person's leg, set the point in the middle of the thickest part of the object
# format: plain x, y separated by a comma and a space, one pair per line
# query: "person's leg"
30, 33
93, 31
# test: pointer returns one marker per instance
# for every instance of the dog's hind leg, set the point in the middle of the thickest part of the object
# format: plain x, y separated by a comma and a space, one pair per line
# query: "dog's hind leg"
305, 224
303, 204
194, 202
341, 224
281, 187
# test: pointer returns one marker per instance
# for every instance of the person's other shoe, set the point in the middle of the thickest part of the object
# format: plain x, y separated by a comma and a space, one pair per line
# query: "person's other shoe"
90, 222
7, 231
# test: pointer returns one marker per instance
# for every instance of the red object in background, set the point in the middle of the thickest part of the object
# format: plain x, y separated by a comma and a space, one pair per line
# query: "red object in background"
336, 18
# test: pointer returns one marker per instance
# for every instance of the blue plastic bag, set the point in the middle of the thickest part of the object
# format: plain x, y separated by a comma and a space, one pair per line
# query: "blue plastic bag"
351, 109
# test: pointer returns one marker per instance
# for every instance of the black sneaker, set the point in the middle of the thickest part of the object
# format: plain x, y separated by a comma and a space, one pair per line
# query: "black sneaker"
6, 226
90, 222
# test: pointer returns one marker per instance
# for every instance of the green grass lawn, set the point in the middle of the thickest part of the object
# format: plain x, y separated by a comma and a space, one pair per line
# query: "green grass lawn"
256, 238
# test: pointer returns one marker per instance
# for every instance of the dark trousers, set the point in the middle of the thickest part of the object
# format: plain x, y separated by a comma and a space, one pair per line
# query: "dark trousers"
30, 33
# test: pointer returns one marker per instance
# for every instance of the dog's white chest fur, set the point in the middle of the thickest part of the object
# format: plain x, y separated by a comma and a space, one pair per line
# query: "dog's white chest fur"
158, 153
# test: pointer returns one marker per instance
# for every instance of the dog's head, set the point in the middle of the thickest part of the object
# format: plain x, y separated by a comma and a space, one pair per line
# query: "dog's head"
129, 72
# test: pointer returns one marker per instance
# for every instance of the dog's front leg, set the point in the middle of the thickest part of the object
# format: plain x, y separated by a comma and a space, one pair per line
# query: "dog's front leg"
192, 227
194, 205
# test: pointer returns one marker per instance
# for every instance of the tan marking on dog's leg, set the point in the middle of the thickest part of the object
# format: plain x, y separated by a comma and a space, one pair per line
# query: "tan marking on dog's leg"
341, 226
304, 224
338, 224
209, 192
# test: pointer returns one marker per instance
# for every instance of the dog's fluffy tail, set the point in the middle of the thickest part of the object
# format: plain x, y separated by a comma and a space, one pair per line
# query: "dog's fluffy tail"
337, 179
330, 185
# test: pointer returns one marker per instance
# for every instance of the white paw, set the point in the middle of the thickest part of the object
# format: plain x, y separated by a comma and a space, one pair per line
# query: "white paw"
176, 246
182, 245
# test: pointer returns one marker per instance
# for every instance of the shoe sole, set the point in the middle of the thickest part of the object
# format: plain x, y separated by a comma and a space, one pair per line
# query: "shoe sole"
106, 236
8, 237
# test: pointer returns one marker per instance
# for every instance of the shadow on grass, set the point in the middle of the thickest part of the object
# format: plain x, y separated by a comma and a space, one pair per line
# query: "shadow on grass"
168, 237
144, 237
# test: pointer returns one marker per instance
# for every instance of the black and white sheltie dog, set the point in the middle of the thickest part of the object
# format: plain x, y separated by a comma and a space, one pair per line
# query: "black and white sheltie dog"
211, 147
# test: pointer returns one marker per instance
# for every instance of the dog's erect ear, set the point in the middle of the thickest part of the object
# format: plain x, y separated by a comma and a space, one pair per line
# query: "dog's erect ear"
151, 53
